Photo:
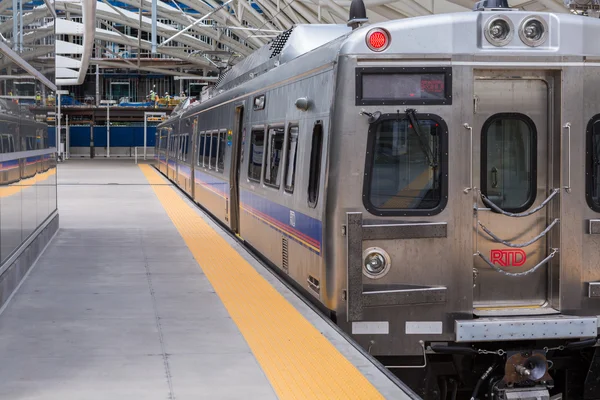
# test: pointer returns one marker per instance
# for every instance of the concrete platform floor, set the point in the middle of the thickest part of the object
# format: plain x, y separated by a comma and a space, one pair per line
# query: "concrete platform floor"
118, 308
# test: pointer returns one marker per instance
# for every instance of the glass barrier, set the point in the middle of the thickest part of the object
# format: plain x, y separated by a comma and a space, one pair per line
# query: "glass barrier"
27, 163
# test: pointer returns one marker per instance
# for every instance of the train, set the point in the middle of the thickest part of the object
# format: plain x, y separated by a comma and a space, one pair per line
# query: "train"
20, 132
432, 183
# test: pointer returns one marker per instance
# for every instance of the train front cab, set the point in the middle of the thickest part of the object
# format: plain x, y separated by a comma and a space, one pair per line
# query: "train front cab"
477, 229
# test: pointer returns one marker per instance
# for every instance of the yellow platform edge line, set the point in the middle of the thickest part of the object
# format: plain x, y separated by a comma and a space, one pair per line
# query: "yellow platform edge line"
298, 360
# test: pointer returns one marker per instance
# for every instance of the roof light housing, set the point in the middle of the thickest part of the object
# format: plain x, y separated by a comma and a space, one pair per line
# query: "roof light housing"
533, 31
378, 39
499, 30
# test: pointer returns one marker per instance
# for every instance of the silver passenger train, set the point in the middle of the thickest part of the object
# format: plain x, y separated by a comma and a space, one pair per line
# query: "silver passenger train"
432, 182
19, 132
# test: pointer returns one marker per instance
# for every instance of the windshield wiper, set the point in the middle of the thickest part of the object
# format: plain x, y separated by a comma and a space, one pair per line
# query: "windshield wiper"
410, 114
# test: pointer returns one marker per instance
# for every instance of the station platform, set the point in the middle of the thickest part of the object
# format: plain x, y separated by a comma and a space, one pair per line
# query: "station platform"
141, 296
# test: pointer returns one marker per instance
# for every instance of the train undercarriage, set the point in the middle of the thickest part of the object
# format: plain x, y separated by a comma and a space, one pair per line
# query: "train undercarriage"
525, 371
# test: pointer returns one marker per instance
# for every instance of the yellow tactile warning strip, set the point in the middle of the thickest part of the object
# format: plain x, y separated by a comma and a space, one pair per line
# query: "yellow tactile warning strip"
297, 359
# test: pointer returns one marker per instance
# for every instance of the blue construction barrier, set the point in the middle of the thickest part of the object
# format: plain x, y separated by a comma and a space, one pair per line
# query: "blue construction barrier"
120, 136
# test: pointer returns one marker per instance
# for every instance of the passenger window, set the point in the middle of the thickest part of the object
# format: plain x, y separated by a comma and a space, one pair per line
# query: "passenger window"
5, 145
207, 140
292, 149
257, 139
315, 164
180, 146
222, 146
214, 142
187, 145
274, 154
200, 149
508, 173
405, 166
593, 164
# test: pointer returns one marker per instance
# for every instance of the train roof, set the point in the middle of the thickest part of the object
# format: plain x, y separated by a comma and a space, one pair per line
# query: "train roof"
442, 35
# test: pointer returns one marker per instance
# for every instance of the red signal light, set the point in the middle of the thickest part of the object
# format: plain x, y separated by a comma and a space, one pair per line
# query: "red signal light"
378, 39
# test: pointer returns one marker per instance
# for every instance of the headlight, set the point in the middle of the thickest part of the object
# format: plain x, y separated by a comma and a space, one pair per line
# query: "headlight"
499, 31
533, 31
376, 262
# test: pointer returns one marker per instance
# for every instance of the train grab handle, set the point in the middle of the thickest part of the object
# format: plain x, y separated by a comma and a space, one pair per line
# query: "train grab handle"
567, 126
470, 128
493, 206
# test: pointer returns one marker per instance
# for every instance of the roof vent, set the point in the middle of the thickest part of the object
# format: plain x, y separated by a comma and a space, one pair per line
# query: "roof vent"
358, 14
222, 74
279, 42
490, 4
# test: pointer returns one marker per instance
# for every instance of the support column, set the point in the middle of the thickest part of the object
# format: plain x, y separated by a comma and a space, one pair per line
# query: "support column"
21, 26
67, 138
58, 118
15, 11
153, 16
108, 131
97, 78
92, 126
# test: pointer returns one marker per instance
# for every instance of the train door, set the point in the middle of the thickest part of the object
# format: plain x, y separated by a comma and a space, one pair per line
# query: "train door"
193, 157
511, 136
234, 174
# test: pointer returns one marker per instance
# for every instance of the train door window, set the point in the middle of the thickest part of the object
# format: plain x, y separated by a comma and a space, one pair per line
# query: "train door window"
406, 165
207, 140
11, 144
592, 187
257, 140
274, 156
181, 146
214, 144
5, 144
315, 164
186, 146
292, 150
200, 149
222, 146
508, 170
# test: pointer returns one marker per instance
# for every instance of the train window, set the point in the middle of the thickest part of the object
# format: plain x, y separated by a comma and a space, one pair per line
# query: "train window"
222, 146
207, 140
185, 146
406, 165
214, 143
274, 155
315, 164
592, 187
292, 149
180, 146
5, 144
200, 149
257, 139
508, 170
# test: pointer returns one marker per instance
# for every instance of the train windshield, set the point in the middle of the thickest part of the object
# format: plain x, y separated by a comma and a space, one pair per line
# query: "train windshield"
403, 173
